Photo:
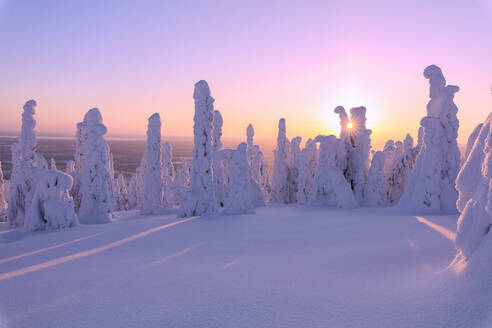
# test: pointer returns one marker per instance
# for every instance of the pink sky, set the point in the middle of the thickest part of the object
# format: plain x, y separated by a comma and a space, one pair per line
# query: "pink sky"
263, 60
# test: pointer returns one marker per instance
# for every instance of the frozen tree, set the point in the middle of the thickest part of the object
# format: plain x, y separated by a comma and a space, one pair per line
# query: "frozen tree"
70, 167
52, 164
239, 201
217, 166
389, 152
200, 198
431, 183
52, 205
23, 160
3, 198
307, 171
295, 155
168, 174
153, 185
376, 190
400, 170
41, 162
474, 185
280, 179
330, 187
121, 196
96, 180
76, 167
257, 164
471, 141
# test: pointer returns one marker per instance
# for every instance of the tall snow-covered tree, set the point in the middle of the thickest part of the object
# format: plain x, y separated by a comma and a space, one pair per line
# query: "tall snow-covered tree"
96, 180
200, 198
52, 205
401, 169
257, 164
280, 178
239, 201
295, 155
307, 171
168, 172
431, 183
474, 186
330, 187
23, 160
153, 185
376, 190
217, 166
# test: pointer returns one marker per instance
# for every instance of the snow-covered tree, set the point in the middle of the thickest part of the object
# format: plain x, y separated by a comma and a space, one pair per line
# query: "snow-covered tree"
23, 160
257, 164
96, 180
239, 201
295, 156
307, 171
431, 183
168, 174
330, 187
401, 169
474, 186
471, 141
52, 164
121, 196
3, 198
200, 198
51, 206
153, 185
280, 178
376, 190
217, 166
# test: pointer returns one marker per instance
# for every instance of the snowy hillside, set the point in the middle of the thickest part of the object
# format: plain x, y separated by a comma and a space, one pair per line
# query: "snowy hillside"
285, 266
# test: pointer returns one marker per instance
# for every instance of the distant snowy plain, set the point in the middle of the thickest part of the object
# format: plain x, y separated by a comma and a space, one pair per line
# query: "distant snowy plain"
285, 266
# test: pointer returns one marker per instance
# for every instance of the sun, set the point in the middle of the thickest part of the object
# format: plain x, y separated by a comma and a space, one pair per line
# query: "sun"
350, 125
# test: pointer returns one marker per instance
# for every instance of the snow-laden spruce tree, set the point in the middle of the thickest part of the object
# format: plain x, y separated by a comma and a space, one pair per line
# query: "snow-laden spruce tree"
239, 201
153, 185
168, 173
389, 152
53, 164
431, 183
376, 190
23, 160
330, 187
257, 164
51, 206
295, 155
121, 196
280, 178
474, 186
200, 198
307, 170
401, 168
96, 180
471, 141
3, 198
217, 166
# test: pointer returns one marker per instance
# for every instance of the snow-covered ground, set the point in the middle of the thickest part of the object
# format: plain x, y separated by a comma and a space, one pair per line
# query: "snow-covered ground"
285, 266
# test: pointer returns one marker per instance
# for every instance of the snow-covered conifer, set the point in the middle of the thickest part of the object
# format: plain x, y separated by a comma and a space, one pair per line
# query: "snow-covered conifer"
295, 155
217, 166
330, 187
51, 206
3, 198
471, 141
401, 169
280, 178
239, 201
52, 164
23, 160
307, 171
376, 190
257, 164
96, 180
168, 174
431, 183
153, 185
200, 198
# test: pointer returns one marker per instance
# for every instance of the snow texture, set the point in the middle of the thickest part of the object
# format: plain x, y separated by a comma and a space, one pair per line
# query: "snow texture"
200, 198
96, 180
431, 183
239, 201
51, 206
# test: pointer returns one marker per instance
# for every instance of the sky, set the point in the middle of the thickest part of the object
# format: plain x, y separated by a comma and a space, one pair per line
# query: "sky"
263, 60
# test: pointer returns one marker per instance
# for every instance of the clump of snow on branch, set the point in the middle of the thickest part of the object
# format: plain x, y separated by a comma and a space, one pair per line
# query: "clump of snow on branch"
200, 198
51, 206
96, 179
431, 183
239, 201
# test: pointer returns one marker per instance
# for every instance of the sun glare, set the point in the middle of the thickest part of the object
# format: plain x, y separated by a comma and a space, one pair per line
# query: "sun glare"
350, 125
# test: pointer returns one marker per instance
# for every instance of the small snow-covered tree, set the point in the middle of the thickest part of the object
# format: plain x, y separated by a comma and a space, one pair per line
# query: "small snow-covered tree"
401, 168
200, 198
330, 187
153, 185
376, 190
23, 160
52, 205
307, 171
474, 186
168, 174
239, 201
3, 198
121, 196
52, 164
257, 164
96, 180
431, 183
293, 180
217, 166
280, 178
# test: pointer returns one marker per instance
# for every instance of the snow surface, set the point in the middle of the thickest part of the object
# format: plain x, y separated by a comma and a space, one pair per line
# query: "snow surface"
285, 266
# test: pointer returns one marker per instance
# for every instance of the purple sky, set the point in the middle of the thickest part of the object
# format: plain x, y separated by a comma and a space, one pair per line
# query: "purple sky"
262, 59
